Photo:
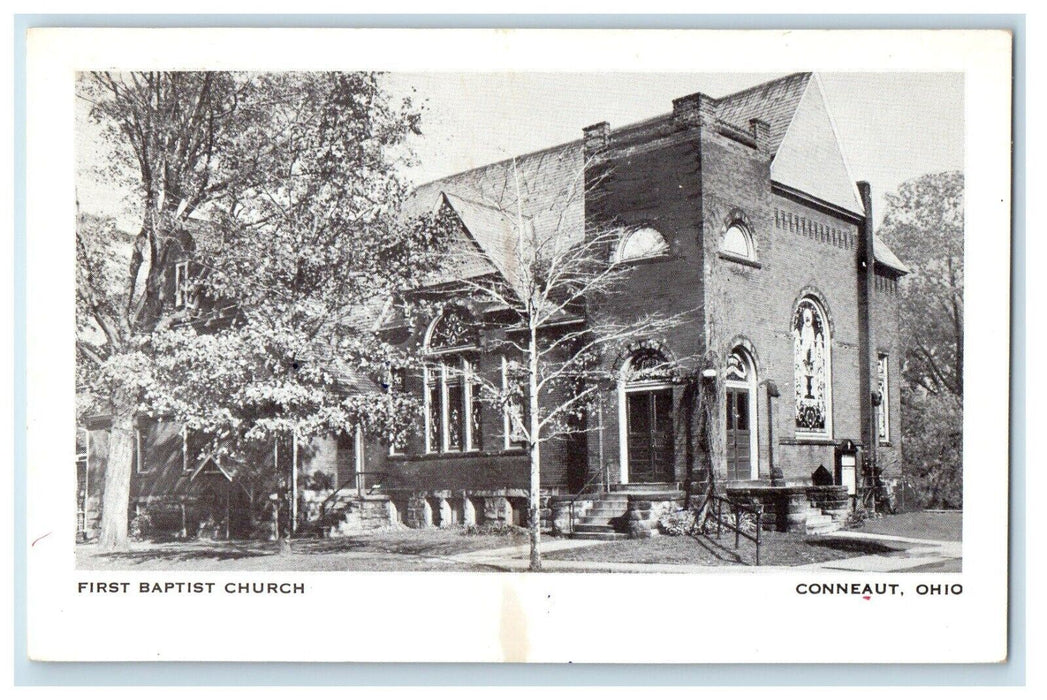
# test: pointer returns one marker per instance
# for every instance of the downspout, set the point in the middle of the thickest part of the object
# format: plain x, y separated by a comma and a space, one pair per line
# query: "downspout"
866, 344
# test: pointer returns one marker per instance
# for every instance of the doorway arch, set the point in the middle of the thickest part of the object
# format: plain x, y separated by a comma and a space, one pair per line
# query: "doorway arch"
646, 418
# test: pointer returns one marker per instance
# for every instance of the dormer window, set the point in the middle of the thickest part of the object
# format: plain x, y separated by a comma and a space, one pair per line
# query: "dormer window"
738, 242
642, 243
181, 284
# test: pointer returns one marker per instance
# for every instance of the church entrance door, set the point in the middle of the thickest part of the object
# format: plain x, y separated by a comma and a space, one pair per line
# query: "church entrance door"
739, 450
650, 430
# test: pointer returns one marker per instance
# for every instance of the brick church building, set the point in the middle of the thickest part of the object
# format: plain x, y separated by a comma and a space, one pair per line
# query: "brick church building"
740, 208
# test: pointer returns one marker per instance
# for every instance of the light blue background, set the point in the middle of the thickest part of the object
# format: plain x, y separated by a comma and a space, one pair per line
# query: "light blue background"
1010, 673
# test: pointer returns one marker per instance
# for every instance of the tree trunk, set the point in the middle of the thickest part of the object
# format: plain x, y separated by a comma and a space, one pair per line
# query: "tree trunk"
534, 493
116, 492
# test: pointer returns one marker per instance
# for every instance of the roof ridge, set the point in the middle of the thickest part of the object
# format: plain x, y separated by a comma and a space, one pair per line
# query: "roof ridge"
504, 161
491, 207
765, 84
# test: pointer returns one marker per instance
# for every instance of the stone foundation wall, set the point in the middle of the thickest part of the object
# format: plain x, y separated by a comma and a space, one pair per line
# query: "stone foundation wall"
446, 508
362, 515
785, 508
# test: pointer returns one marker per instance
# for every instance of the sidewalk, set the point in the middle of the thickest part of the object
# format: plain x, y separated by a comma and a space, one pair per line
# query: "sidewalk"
927, 555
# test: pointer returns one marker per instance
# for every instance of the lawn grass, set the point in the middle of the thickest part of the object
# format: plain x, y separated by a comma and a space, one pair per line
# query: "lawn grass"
943, 525
391, 550
776, 549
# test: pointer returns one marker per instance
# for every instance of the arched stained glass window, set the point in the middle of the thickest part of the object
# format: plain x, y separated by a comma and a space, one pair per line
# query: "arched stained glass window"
454, 329
642, 243
812, 368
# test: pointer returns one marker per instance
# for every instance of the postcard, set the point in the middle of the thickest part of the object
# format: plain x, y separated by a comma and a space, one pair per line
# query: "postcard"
527, 345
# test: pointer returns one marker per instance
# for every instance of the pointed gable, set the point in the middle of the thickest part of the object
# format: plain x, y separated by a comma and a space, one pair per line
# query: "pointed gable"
773, 103
809, 158
544, 189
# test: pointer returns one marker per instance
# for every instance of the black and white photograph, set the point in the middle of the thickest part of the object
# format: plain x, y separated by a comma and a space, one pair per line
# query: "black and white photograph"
631, 351
645, 328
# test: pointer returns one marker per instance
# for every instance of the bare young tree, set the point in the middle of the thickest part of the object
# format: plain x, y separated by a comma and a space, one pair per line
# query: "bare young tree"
553, 279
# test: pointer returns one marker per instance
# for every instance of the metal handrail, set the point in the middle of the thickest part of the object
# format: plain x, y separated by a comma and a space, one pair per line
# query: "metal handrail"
738, 509
582, 491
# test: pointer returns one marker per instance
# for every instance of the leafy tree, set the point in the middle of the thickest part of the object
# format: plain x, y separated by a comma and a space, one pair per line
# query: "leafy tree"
924, 223
295, 175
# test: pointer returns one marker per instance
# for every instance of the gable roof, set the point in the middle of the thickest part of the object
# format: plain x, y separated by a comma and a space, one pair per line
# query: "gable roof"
774, 102
544, 189
541, 190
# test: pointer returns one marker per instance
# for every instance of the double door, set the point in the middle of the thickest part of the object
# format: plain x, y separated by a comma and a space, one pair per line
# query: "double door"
650, 430
739, 435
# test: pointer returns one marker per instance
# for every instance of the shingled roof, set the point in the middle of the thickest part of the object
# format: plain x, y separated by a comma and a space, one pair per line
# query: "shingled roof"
806, 157
773, 102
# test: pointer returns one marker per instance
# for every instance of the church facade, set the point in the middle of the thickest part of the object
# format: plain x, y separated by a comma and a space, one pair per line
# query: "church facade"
743, 209
739, 209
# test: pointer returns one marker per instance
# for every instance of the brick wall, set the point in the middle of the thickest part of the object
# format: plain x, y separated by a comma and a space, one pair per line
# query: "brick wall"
651, 179
886, 339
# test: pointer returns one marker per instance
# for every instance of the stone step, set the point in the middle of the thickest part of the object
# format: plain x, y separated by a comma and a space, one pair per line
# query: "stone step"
591, 520
600, 536
593, 527
622, 504
823, 529
609, 510
643, 488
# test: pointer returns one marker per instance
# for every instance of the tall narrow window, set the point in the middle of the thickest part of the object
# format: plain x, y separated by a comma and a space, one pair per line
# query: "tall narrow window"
452, 405
397, 385
514, 415
181, 284
475, 404
883, 411
812, 369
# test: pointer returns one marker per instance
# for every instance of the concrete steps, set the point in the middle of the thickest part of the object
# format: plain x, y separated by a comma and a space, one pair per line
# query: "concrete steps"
818, 523
657, 487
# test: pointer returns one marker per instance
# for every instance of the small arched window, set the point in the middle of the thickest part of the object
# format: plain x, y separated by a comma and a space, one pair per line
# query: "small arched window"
647, 364
738, 241
642, 243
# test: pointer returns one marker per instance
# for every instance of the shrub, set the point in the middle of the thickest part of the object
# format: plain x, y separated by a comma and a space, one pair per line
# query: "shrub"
676, 523
141, 526
494, 528
857, 517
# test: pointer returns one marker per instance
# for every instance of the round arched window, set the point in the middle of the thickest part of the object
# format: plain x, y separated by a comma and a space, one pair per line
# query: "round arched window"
737, 241
642, 243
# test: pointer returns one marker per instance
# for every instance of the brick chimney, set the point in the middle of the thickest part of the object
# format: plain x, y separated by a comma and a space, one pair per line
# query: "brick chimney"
762, 135
595, 138
695, 109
